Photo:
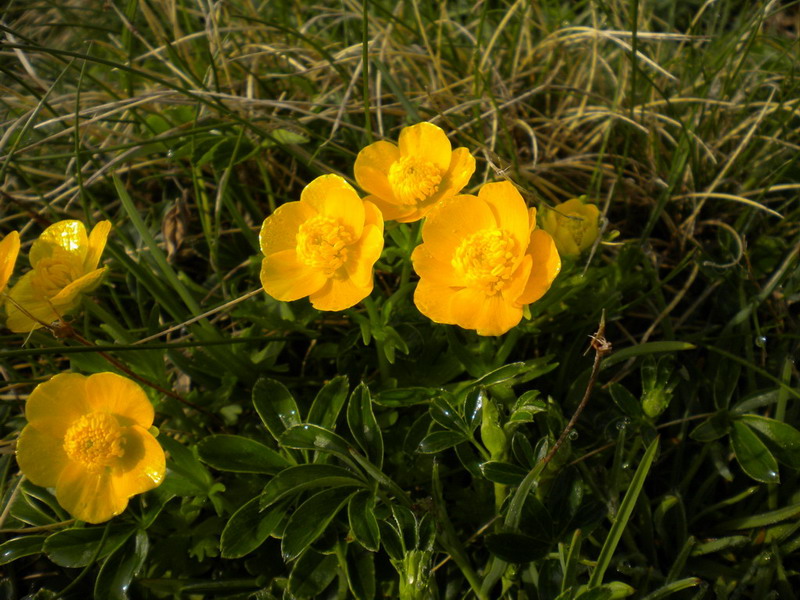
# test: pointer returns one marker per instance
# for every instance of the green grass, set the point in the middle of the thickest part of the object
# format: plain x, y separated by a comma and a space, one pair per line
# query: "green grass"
187, 123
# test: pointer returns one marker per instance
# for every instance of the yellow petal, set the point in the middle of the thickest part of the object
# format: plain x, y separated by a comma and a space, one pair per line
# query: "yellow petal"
519, 279
361, 256
428, 142
332, 196
432, 269
89, 496
509, 210
462, 166
55, 404
392, 212
26, 308
454, 220
488, 315
97, 243
69, 235
340, 293
372, 166
433, 300
142, 467
279, 230
120, 396
546, 265
67, 299
373, 215
285, 278
9, 248
40, 456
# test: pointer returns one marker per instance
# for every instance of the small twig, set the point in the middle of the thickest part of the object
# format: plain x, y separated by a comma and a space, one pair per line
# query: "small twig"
39, 528
199, 317
14, 494
62, 329
601, 347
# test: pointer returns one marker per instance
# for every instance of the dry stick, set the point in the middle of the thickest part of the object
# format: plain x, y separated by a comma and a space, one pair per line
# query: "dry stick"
65, 330
601, 347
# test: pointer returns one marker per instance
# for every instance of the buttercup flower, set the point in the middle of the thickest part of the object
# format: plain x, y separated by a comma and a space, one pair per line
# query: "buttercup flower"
482, 260
323, 246
9, 248
88, 437
64, 261
408, 180
573, 226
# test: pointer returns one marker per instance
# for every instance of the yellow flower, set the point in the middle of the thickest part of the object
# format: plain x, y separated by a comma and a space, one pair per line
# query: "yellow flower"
573, 226
9, 248
64, 261
406, 182
482, 260
88, 437
323, 246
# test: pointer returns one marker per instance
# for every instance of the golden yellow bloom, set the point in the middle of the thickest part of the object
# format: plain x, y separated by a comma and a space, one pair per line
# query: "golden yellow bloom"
482, 260
406, 182
323, 246
9, 248
573, 226
88, 437
64, 261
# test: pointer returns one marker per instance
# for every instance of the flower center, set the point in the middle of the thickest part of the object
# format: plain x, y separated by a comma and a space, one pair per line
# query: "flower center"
54, 273
414, 179
486, 259
95, 441
575, 224
322, 243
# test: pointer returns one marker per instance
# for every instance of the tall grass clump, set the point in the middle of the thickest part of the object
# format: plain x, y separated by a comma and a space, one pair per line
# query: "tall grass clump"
635, 435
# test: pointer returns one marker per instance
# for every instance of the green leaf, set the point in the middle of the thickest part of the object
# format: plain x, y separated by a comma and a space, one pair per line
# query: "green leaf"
782, 439
361, 573
118, 570
713, 428
439, 440
473, 407
19, 547
310, 519
527, 407
312, 574
503, 472
313, 437
363, 524
753, 455
275, 405
673, 587
502, 375
186, 476
516, 547
363, 425
76, 547
443, 413
623, 515
720, 545
248, 527
626, 401
763, 519
329, 402
410, 396
643, 350
298, 479
240, 455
